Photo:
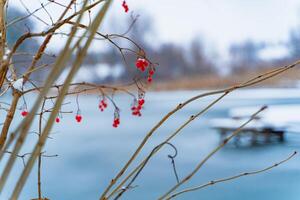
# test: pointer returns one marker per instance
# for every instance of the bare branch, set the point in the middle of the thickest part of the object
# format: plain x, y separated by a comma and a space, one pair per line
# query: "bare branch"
213, 182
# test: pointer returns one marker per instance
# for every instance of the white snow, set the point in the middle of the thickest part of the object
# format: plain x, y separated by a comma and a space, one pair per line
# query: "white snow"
273, 52
279, 116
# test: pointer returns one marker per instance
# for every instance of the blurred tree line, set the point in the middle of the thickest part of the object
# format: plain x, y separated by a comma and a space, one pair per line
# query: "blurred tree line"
174, 60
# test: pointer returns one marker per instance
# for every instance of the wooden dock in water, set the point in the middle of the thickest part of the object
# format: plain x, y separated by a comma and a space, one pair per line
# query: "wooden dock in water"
260, 130
255, 135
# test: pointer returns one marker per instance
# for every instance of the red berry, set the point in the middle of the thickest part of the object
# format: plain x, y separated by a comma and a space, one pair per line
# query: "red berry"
101, 108
78, 118
116, 122
136, 109
151, 72
24, 113
141, 101
102, 105
57, 120
145, 63
149, 79
125, 6
139, 63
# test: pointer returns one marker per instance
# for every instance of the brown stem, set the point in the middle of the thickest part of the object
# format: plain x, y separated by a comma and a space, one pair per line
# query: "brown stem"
16, 97
40, 155
2, 39
39, 176
80, 56
9, 117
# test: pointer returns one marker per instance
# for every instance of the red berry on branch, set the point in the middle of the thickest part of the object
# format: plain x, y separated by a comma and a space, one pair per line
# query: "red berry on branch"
149, 79
78, 118
141, 101
141, 64
145, 63
102, 105
151, 72
137, 107
57, 119
116, 122
125, 6
24, 113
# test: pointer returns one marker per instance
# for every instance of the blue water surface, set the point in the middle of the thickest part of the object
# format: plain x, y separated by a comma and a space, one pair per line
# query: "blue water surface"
92, 152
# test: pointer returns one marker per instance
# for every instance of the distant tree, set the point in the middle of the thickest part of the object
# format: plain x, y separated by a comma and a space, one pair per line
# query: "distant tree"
172, 60
245, 55
175, 60
293, 43
141, 30
199, 61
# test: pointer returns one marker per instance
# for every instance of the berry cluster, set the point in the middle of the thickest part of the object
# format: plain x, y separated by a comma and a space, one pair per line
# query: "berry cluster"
141, 64
116, 118
102, 105
136, 109
125, 6
116, 122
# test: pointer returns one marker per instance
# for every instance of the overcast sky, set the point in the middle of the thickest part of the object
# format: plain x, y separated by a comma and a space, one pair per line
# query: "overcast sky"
218, 22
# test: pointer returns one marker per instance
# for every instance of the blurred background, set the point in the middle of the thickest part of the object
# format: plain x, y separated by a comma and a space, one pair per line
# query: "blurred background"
199, 45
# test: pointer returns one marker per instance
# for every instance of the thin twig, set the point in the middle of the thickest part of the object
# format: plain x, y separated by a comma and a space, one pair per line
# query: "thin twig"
213, 182
196, 169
